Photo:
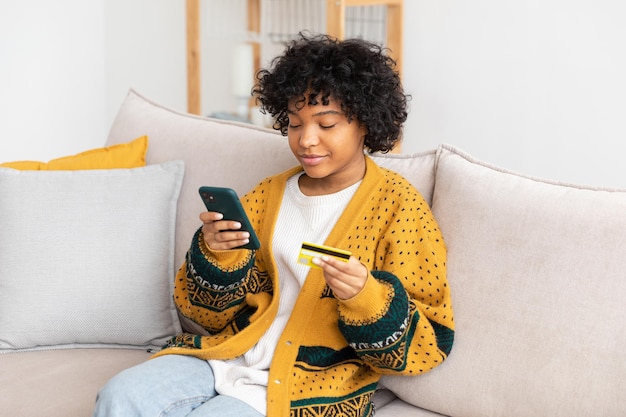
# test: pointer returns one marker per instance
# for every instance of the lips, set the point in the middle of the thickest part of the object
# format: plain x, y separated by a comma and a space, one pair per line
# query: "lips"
311, 160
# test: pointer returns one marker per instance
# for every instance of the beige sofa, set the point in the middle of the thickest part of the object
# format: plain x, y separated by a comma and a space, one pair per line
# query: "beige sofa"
537, 270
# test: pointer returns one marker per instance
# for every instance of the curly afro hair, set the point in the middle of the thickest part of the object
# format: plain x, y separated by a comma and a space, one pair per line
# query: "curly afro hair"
354, 72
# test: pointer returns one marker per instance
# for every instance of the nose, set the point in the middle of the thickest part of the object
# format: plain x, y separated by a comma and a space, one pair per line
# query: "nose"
308, 136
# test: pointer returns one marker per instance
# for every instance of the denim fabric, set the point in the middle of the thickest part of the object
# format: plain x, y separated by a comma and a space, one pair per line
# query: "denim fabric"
168, 386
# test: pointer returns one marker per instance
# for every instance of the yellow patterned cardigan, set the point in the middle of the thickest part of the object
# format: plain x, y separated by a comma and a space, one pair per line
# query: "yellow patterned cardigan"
331, 353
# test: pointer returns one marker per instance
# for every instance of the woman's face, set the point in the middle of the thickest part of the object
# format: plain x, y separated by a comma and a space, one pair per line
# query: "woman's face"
328, 146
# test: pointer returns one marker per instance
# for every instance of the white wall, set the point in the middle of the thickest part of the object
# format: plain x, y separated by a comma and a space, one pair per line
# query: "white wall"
66, 65
533, 86
52, 90
145, 50
536, 86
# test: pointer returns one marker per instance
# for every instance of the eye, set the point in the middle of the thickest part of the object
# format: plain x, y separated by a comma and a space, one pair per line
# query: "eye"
327, 126
293, 126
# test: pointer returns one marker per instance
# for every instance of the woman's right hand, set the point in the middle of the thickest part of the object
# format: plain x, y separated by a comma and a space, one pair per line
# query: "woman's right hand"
222, 234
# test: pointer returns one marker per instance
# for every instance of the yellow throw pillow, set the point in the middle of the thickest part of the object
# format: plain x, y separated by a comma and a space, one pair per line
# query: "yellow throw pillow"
122, 155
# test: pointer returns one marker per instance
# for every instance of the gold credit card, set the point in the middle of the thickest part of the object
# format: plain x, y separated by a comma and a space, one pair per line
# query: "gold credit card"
312, 250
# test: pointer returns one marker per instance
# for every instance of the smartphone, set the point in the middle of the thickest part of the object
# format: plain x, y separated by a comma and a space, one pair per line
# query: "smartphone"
225, 200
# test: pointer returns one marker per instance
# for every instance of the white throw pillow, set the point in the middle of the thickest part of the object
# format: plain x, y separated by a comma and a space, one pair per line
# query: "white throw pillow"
86, 257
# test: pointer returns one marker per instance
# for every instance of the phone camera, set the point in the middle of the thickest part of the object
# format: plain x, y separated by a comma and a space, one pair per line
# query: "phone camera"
208, 197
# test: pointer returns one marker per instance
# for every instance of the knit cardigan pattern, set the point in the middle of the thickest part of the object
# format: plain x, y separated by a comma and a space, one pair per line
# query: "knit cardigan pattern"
332, 352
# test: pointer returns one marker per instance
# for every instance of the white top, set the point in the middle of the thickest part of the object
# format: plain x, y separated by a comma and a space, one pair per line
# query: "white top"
301, 219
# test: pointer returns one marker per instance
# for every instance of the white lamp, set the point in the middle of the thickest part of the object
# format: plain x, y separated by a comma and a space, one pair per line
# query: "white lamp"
243, 77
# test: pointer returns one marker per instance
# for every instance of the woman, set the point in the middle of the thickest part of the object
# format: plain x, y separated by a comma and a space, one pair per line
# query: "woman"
277, 337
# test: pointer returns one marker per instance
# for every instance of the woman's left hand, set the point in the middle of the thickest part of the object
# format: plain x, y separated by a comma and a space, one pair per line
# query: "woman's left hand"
346, 279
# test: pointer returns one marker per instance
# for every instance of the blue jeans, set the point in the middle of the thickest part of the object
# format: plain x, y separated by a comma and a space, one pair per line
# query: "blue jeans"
170, 385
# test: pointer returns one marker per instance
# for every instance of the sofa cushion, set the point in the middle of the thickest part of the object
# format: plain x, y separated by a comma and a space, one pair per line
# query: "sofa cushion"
121, 155
537, 273
64, 381
399, 408
86, 257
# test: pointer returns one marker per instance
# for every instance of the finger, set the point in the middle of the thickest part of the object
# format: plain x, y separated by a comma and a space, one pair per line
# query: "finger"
221, 234
346, 279
210, 216
228, 245
219, 242
343, 289
335, 266
231, 236
218, 239
221, 225
213, 224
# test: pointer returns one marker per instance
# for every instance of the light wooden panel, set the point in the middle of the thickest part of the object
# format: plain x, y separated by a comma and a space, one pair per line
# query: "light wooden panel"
194, 58
336, 22
194, 61
254, 25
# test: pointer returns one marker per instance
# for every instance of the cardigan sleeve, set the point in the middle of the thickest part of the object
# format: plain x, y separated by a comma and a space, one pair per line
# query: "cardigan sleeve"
230, 294
402, 322
211, 287
223, 291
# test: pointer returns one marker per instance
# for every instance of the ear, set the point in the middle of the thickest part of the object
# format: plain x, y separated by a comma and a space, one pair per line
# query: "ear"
362, 130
